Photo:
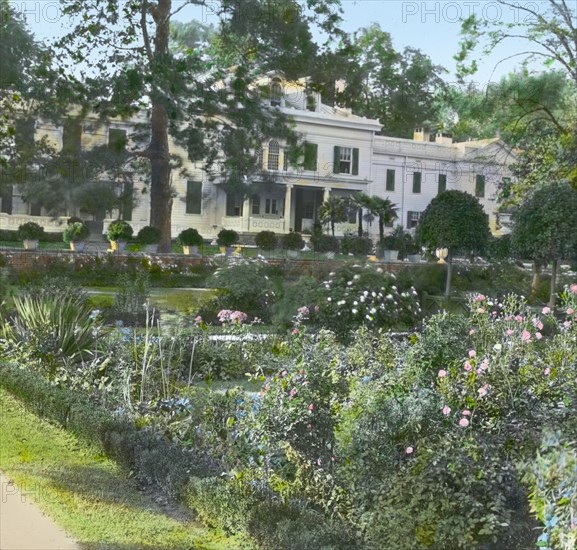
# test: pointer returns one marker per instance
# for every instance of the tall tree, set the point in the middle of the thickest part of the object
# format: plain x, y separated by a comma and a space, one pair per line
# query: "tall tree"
550, 30
398, 88
333, 211
204, 100
454, 220
545, 230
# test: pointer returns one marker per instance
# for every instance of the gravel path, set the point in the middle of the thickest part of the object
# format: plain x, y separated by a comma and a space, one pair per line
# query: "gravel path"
24, 527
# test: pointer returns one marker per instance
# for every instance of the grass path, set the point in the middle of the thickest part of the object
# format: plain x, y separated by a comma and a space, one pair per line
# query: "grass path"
87, 494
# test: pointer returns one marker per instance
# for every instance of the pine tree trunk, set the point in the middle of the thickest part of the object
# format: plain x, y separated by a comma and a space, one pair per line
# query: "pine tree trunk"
160, 171
360, 214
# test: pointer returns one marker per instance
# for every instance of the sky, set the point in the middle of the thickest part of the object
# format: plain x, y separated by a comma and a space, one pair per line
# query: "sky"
431, 26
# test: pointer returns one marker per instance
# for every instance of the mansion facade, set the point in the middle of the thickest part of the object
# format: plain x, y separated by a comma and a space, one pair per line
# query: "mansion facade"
343, 155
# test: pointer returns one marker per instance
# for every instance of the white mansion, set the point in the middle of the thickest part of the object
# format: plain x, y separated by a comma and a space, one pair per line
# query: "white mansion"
344, 154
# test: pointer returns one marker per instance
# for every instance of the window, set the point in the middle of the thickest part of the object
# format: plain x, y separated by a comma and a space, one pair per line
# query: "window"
442, 183
127, 201
413, 219
309, 210
255, 209
117, 140
24, 135
346, 160
271, 207
479, 185
6, 199
193, 197
310, 160
275, 93
285, 156
35, 209
417, 177
234, 204
390, 186
259, 159
71, 137
273, 155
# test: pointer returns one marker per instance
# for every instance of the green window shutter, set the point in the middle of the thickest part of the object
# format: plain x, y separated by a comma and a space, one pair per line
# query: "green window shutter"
390, 180
442, 183
479, 186
311, 151
355, 162
417, 182
193, 197
337, 160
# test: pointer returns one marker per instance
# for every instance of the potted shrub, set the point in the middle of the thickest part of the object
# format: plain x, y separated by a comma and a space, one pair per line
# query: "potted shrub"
413, 250
190, 239
292, 242
149, 237
226, 238
389, 248
118, 234
266, 240
30, 233
75, 234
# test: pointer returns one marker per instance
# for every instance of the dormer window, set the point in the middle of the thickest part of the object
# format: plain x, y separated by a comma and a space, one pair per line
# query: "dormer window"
275, 93
273, 155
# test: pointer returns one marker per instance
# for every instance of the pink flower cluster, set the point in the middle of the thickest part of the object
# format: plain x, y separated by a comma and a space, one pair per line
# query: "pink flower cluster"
303, 311
229, 316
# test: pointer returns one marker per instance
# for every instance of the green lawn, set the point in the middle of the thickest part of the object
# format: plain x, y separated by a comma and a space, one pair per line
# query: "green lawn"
87, 494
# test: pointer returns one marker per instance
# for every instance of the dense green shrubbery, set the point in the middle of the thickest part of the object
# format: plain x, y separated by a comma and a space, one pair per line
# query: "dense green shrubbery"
325, 243
292, 241
357, 246
266, 240
416, 443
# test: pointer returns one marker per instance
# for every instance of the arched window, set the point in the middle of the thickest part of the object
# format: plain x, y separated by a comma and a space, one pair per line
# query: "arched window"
275, 93
273, 155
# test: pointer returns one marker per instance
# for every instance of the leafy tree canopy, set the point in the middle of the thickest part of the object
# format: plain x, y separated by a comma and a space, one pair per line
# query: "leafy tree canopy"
546, 224
454, 220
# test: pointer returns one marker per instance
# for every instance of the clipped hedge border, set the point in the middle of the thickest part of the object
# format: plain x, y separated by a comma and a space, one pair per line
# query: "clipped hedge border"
179, 473
154, 460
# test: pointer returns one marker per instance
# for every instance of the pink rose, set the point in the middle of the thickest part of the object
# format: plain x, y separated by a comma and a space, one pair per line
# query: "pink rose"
442, 373
525, 336
546, 310
409, 450
463, 422
466, 412
573, 289
508, 332
547, 371
311, 407
471, 332
570, 311
538, 335
567, 324
446, 410
468, 367
472, 353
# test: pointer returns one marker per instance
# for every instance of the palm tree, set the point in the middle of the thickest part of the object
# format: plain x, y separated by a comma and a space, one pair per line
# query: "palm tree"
333, 211
363, 202
385, 210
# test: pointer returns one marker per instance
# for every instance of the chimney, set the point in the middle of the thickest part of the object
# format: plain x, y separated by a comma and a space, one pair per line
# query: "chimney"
421, 133
443, 138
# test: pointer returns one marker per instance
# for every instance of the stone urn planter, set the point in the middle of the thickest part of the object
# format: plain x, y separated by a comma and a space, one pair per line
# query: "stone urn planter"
30, 244
149, 237
390, 255
118, 234
190, 239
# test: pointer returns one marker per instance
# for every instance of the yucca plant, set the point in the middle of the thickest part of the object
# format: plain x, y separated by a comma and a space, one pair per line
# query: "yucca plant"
58, 327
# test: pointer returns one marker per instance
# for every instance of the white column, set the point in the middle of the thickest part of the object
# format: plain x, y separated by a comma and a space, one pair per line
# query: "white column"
246, 213
326, 194
287, 207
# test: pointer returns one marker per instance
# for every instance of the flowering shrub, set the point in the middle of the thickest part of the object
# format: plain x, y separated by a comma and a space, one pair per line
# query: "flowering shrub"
357, 296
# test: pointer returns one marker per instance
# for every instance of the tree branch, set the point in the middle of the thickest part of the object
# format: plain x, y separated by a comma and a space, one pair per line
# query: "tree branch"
145, 36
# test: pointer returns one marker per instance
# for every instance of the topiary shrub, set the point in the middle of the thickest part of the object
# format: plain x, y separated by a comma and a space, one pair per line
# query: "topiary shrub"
227, 237
190, 237
119, 230
292, 241
148, 235
266, 240
74, 232
357, 246
30, 231
325, 243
